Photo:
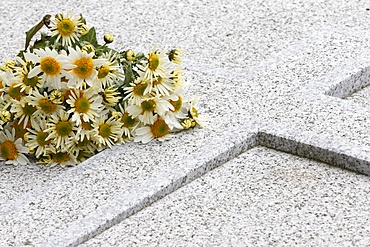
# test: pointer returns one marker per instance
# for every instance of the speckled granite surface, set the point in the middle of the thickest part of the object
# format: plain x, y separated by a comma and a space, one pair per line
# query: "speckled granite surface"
286, 69
262, 198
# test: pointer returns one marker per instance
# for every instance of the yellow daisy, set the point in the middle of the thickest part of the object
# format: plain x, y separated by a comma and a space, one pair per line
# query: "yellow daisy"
11, 149
179, 112
192, 109
66, 27
111, 96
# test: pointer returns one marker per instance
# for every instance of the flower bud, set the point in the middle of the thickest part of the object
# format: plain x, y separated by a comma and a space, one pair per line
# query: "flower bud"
84, 29
5, 116
56, 96
8, 66
88, 48
175, 56
130, 55
108, 38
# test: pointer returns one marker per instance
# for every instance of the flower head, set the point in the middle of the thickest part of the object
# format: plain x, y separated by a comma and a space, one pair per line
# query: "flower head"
52, 65
61, 130
159, 129
86, 105
67, 28
11, 149
107, 131
84, 71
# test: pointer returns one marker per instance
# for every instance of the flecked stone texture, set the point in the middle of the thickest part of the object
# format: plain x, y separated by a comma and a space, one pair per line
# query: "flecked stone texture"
262, 198
257, 66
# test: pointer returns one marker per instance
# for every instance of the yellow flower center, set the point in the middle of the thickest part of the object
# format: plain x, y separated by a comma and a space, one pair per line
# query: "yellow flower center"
148, 105
159, 128
40, 138
153, 61
19, 130
32, 82
176, 104
28, 110
103, 72
139, 89
105, 130
50, 66
157, 81
85, 67
86, 125
66, 27
82, 105
127, 120
63, 128
15, 92
61, 157
8, 150
47, 106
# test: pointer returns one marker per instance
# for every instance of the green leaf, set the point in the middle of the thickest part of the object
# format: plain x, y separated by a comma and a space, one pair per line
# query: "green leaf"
90, 37
30, 33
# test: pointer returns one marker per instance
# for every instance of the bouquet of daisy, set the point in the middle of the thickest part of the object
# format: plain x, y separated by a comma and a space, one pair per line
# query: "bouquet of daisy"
65, 97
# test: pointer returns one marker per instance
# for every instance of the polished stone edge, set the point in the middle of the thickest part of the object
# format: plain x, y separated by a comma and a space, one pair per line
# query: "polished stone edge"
333, 151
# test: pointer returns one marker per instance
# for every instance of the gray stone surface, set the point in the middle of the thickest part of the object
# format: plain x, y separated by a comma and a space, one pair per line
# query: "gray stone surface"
262, 198
283, 69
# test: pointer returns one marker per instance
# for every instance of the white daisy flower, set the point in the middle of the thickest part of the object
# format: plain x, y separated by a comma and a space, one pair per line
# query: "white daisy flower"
37, 142
84, 71
192, 109
85, 105
159, 129
174, 116
107, 131
63, 158
67, 28
44, 104
12, 88
23, 111
135, 93
129, 124
155, 64
147, 108
61, 130
109, 72
21, 77
12, 151
52, 65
